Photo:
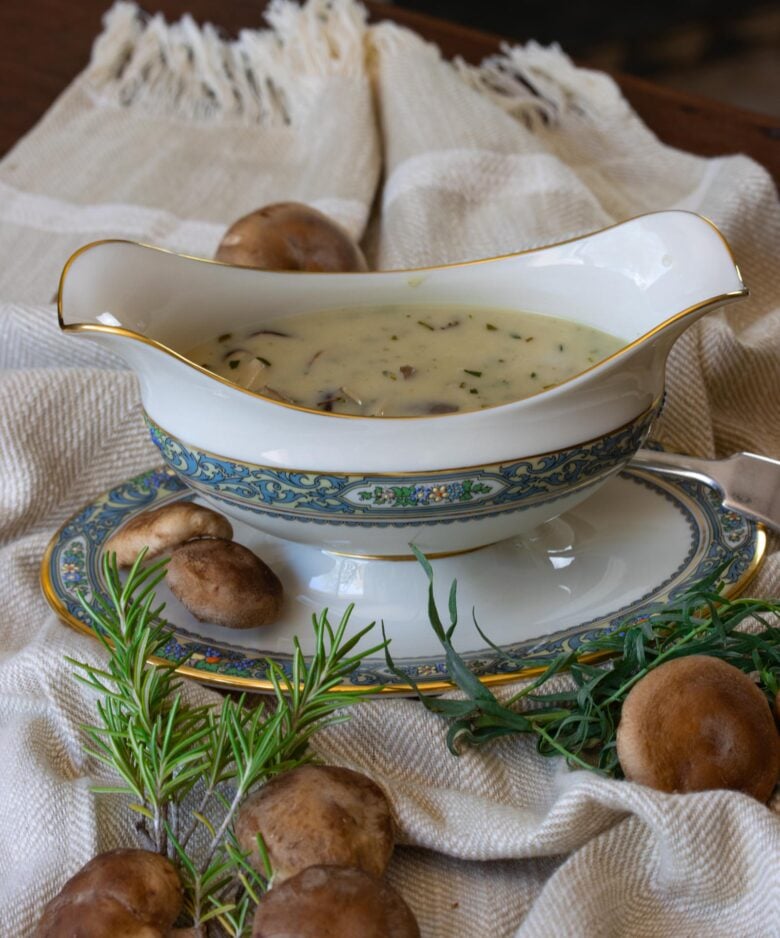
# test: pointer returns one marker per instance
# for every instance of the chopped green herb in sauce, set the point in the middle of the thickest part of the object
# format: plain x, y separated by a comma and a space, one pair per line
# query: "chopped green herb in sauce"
404, 360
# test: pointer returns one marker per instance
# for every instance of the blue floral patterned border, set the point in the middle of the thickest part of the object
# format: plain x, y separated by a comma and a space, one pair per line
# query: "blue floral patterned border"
398, 501
73, 564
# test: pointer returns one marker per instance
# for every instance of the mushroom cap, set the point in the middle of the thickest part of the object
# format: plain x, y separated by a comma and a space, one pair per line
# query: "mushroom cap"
120, 894
290, 236
315, 815
698, 723
162, 529
224, 583
333, 902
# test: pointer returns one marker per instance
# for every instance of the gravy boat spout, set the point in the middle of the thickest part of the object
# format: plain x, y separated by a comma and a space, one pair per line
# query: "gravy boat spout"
370, 486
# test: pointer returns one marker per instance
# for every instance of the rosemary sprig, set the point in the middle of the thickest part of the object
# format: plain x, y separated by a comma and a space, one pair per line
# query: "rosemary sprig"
580, 722
156, 746
186, 769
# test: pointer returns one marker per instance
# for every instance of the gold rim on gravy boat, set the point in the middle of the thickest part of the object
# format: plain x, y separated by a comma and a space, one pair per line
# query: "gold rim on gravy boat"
131, 334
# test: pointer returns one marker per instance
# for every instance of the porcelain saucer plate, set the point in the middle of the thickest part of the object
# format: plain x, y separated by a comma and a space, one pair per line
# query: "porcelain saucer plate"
628, 549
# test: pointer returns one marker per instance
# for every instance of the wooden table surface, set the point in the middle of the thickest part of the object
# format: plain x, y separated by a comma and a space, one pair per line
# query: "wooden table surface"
45, 43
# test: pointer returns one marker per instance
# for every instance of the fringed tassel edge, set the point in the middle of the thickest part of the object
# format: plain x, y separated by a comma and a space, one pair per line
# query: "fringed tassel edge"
188, 71
541, 85
185, 70
537, 85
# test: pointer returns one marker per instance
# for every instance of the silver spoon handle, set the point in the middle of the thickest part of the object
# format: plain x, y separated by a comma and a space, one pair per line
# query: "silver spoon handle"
675, 464
747, 483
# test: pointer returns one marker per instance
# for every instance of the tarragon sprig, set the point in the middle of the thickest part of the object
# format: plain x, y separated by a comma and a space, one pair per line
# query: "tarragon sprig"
580, 722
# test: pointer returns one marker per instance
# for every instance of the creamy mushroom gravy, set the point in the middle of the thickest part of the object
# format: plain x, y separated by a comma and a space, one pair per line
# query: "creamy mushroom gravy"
399, 361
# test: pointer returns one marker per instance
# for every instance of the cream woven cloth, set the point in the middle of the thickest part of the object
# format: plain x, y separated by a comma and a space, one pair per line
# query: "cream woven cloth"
170, 134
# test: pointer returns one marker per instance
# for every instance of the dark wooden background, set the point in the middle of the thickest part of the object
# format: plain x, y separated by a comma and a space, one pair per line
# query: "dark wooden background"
45, 43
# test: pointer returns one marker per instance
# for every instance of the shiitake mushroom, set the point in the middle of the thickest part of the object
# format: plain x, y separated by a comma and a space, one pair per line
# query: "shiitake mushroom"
246, 369
698, 723
333, 902
223, 582
314, 815
329, 834
290, 236
120, 894
162, 529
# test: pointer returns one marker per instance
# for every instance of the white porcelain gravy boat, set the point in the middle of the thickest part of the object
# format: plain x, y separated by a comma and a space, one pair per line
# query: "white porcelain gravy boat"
370, 486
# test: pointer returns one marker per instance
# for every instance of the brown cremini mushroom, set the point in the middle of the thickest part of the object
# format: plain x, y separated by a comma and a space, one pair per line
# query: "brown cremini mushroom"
119, 894
224, 583
333, 902
290, 236
698, 723
162, 529
315, 815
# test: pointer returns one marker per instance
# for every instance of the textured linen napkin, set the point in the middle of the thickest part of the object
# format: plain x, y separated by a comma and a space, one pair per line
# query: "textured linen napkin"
170, 134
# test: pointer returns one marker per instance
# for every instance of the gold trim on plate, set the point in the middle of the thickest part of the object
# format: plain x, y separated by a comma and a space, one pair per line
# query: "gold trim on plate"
228, 682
